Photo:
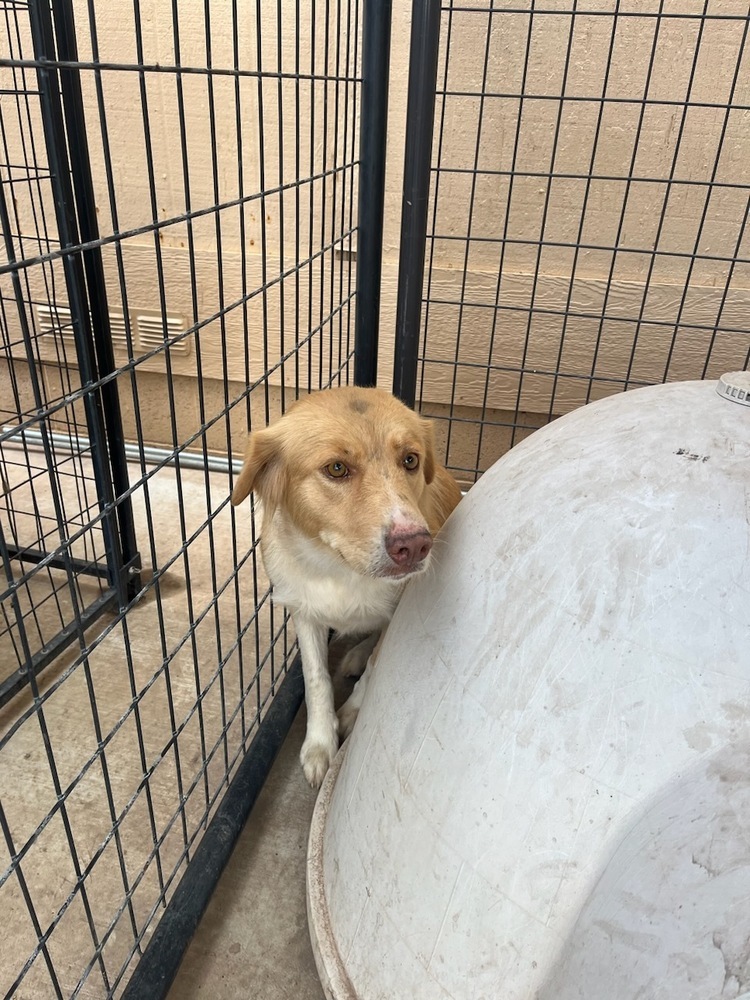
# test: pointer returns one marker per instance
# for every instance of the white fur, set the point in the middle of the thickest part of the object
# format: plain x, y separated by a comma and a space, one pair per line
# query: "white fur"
323, 593
317, 585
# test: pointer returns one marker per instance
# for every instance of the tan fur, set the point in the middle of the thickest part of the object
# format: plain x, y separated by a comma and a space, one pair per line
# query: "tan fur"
326, 540
367, 429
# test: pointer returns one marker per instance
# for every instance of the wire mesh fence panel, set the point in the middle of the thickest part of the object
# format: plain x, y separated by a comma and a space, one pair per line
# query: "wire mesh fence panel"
587, 227
178, 222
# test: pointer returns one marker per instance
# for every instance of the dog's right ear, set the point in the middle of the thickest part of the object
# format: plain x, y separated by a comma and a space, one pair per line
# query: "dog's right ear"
261, 470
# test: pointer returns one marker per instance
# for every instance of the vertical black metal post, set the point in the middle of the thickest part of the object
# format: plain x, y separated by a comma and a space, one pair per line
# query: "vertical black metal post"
420, 117
75, 123
376, 53
122, 555
54, 134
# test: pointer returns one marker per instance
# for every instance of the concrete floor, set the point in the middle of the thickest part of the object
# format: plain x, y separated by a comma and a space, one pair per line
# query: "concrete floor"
253, 939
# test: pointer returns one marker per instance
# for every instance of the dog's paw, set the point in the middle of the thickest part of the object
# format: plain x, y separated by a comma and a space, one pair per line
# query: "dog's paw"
347, 717
316, 757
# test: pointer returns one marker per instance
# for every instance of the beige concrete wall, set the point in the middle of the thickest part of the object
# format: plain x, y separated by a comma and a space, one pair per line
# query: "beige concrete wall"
672, 141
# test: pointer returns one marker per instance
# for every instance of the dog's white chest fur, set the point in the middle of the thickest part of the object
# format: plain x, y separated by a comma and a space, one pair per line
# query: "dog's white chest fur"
316, 584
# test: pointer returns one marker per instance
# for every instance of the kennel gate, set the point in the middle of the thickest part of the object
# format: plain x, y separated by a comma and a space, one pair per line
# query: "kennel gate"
557, 271
179, 223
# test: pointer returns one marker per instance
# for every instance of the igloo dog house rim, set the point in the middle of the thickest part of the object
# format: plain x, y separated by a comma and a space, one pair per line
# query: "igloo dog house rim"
331, 967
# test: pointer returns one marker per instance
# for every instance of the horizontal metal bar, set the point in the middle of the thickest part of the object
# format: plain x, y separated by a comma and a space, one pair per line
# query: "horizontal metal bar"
84, 566
617, 15
210, 71
602, 247
20, 678
555, 175
81, 567
670, 324
133, 452
510, 95
486, 366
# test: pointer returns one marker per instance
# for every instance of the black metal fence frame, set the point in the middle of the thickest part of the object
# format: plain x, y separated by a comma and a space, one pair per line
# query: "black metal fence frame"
57, 67
424, 168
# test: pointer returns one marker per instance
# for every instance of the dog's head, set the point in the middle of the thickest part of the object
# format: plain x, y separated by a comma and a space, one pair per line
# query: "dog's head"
348, 467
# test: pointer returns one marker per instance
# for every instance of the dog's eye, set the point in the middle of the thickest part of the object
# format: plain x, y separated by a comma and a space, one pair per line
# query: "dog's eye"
337, 470
411, 462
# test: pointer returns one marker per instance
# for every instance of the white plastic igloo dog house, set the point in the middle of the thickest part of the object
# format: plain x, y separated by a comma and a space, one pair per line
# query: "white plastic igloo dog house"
547, 792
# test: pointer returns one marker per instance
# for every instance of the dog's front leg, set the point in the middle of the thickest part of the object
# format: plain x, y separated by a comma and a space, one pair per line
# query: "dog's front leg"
355, 661
347, 714
349, 711
322, 737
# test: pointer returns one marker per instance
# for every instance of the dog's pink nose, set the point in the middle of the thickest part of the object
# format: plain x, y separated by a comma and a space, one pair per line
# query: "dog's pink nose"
408, 549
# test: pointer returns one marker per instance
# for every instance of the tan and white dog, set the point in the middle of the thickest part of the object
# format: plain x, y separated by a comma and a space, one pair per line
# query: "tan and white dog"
352, 498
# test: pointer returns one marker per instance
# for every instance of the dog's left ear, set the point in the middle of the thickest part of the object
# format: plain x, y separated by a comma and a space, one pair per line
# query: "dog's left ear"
429, 451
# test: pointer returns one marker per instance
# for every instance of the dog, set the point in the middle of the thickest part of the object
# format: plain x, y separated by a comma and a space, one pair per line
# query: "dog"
352, 497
